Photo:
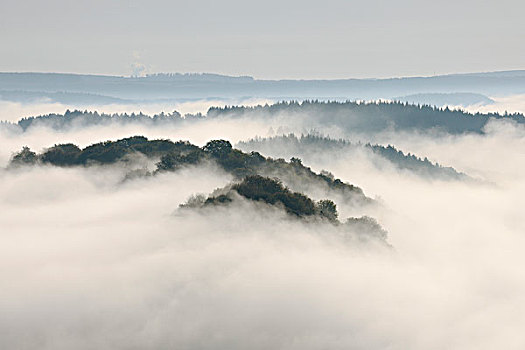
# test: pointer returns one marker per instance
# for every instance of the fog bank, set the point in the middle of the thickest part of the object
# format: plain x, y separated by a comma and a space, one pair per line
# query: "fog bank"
89, 261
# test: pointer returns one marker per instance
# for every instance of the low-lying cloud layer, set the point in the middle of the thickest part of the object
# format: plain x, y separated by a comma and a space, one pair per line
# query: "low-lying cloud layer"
14, 111
510, 104
89, 261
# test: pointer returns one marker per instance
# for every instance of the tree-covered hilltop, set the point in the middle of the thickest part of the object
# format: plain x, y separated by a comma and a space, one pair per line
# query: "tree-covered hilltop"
173, 156
274, 182
351, 117
241, 164
107, 152
272, 192
314, 144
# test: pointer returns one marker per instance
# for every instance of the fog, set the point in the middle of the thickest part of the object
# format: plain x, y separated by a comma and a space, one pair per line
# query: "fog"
502, 104
89, 261
39, 138
13, 111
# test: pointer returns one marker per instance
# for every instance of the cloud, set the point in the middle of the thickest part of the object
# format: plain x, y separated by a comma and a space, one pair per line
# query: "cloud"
510, 104
14, 111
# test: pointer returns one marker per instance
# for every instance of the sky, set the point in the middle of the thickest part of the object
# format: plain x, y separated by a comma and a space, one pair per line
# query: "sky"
265, 39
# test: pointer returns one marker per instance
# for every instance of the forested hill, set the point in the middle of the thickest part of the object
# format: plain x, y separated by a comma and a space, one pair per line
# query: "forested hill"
272, 192
351, 117
314, 145
273, 182
173, 156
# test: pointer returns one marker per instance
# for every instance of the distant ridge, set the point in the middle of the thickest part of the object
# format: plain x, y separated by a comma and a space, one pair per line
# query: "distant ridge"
207, 85
496, 74
350, 116
443, 99
206, 75
311, 145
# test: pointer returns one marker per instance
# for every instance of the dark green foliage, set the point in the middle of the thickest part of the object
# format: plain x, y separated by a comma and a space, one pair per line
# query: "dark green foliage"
218, 148
221, 151
272, 191
24, 157
242, 164
262, 189
174, 161
62, 155
327, 209
112, 151
174, 155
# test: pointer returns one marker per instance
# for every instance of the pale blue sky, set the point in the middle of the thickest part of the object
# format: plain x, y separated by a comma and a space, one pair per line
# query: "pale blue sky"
265, 39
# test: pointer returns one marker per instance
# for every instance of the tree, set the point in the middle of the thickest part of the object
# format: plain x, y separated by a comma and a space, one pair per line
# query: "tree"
24, 157
218, 148
65, 154
272, 191
296, 161
327, 209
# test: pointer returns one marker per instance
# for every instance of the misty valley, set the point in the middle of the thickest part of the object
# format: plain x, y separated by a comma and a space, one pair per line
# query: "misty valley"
262, 175
292, 225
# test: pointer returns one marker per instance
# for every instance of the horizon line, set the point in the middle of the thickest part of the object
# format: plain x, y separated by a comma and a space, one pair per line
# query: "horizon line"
149, 75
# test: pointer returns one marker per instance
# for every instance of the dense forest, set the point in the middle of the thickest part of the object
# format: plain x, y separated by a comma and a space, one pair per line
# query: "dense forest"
311, 144
272, 182
349, 116
176, 155
370, 117
272, 192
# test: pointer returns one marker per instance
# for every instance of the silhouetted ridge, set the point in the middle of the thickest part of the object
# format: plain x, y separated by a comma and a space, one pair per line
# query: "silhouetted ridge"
366, 117
176, 155
317, 144
272, 192
202, 86
352, 117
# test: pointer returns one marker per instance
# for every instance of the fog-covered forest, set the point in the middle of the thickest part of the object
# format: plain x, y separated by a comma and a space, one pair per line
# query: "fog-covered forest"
290, 220
350, 117
264, 175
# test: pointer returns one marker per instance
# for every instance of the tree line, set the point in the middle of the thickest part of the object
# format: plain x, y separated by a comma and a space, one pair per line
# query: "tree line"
352, 116
173, 156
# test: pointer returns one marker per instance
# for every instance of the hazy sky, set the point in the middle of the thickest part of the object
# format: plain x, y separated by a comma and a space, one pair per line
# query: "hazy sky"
265, 39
